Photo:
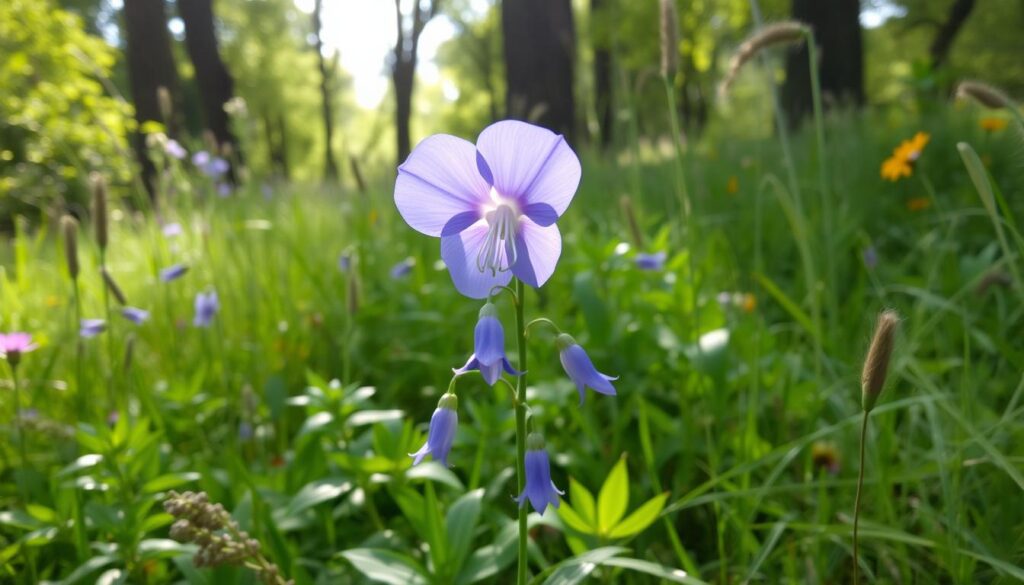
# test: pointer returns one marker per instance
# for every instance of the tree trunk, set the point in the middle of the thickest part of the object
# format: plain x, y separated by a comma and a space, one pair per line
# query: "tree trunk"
944, 37
837, 33
539, 50
403, 67
216, 87
150, 66
330, 168
403, 75
603, 102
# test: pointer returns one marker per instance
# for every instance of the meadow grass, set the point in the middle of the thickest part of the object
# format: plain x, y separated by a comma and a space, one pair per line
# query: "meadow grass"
298, 406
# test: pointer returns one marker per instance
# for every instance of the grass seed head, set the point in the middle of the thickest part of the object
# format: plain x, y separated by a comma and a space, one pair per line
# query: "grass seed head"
99, 209
984, 94
669, 39
779, 34
876, 364
69, 227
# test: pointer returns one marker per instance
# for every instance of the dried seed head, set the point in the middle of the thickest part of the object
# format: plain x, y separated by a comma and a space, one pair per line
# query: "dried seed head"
781, 33
163, 98
99, 208
111, 285
876, 364
669, 39
984, 94
626, 203
69, 226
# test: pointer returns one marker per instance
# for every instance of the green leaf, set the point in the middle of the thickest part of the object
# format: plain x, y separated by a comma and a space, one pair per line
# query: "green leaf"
435, 526
583, 502
574, 570
316, 424
369, 417
169, 481
83, 462
643, 517
492, 559
386, 566
317, 492
614, 497
163, 548
87, 568
659, 571
436, 472
460, 525
573, 520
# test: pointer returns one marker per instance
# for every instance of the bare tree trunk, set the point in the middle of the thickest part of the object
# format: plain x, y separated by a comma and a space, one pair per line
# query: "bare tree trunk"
539, 55
150, 66
603, 101
403, 66
944, 37
216, 87
330, 167
837, 33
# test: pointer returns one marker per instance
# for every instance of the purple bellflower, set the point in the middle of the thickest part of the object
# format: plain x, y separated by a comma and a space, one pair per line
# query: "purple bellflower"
580, 369
174, 149
135, 315
488, 348
12, 345
654, 261
402, 269
171, 230
442, 431
494, 205
207, 306
92, 327
539, 490
173, 272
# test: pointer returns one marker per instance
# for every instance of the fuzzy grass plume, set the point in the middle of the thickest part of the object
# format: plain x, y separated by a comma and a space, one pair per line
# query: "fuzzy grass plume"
789, 32
669, 38
99, 209
876, 364
69, 227
984, 94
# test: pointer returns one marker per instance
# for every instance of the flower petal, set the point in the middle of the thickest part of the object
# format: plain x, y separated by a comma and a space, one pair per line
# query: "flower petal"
489, 340
531, 163
438, 181
538, 251
459, 252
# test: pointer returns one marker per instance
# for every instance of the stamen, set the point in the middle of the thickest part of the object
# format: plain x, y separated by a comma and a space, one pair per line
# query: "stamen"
501, 233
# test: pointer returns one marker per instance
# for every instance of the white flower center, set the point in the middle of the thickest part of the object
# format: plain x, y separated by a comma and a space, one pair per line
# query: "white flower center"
498, 252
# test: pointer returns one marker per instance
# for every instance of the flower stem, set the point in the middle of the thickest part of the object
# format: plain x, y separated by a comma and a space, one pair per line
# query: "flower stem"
22, 451
520, 406
825, 201
856, 502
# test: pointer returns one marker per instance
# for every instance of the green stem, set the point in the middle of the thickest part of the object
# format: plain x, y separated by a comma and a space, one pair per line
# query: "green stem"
856, 502
111, 358
520, 406
79, 349
22, 451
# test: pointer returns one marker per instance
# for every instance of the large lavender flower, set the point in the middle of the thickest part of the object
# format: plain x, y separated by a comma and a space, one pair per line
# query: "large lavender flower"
494, 205
207, 305
539, 490
488, 347
580, 369
442, 431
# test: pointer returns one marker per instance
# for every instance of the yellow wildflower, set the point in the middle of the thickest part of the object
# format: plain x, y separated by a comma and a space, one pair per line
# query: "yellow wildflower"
749, 303
899, 164
732, 186
919, 204
894, 169
993, 124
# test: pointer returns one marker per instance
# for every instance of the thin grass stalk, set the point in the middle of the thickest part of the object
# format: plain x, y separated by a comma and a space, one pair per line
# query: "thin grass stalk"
520, 408
856, 501
828, 233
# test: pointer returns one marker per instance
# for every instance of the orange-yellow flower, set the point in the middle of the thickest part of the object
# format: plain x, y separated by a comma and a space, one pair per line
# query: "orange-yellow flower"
749, 303
732, 186
919, 204
993, 124
899, 164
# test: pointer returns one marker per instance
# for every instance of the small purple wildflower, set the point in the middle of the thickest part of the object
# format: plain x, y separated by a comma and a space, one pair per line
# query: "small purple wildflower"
441, 433
224, 189
488, 348
201, 159
211, 166
12, 345
345, 262
207, 306
92, 327
494, 204
870, 257
171, 230
654, 261
135, 315
30, 413
217, 167
402, 269
173, 272
267, 191
245, 431
724, 298
175, 150
540, 490
112, 417
580, 369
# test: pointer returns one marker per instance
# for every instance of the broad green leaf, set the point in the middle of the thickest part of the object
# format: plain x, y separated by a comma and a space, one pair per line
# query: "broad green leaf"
317, 492
659, 571
169, 481
574, 570
573, 520
369, 417
386, 566
490, 560
163, 548
583, 502
87, 568
83, 462
640, 519
614, 497
435, 526
436, 472
460, 526
316, 423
